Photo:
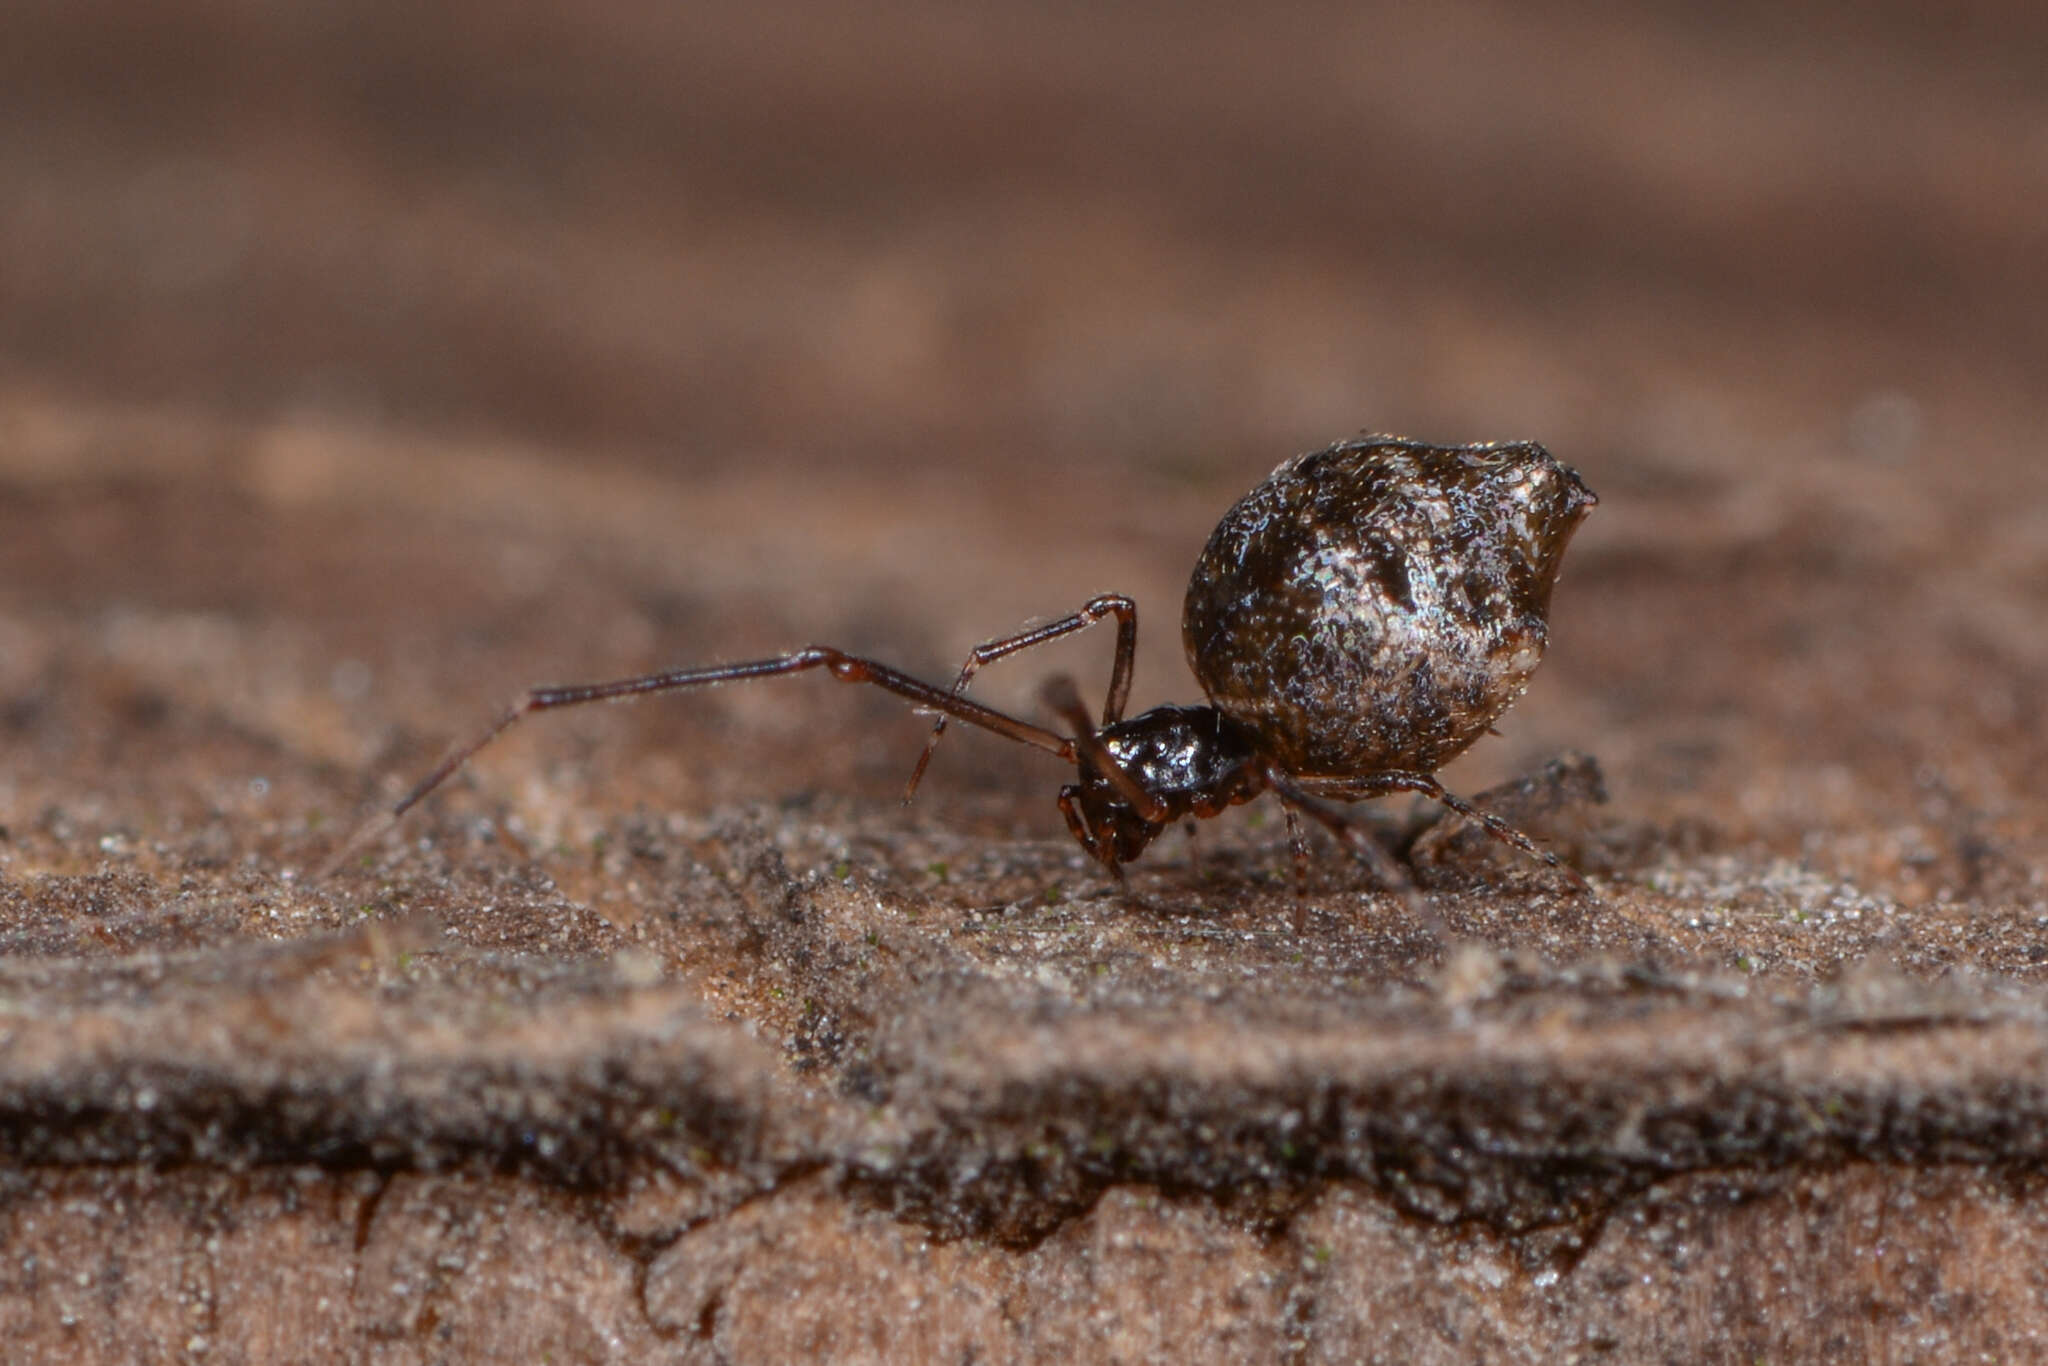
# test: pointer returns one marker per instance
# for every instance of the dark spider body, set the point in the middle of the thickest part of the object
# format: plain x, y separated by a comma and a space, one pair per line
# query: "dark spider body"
1357, 621
1194, 760
1378, 604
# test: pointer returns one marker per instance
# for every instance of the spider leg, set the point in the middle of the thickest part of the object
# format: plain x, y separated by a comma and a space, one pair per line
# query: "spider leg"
1102, 852
1095, 609
1300, 847
1380, 784
1369, 851
845, 667
1062, 697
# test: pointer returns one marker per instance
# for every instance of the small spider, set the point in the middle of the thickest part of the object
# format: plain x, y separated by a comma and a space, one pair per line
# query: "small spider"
1357, 621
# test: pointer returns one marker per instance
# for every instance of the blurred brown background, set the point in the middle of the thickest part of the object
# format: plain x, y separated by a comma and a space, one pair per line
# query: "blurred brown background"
925, 320
361, 363
1164, 238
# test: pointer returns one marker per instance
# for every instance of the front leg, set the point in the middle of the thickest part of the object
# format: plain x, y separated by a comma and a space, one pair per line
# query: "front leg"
1095, 609
847, 668
1102, 850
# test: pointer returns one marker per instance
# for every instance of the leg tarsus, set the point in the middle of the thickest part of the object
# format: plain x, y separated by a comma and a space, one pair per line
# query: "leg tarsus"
1299, 846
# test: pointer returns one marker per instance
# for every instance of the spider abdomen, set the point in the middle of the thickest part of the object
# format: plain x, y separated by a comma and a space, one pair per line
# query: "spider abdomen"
1375, 605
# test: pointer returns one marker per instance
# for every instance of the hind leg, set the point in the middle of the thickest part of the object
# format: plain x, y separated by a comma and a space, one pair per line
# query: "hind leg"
1381, 784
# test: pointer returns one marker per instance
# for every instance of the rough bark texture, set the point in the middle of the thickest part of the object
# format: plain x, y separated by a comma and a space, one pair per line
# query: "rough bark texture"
360, 366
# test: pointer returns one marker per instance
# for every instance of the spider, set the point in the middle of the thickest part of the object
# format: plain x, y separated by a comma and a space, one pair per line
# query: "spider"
1357, 620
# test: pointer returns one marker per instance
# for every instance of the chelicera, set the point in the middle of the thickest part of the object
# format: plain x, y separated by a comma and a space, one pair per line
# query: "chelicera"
1357, 620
